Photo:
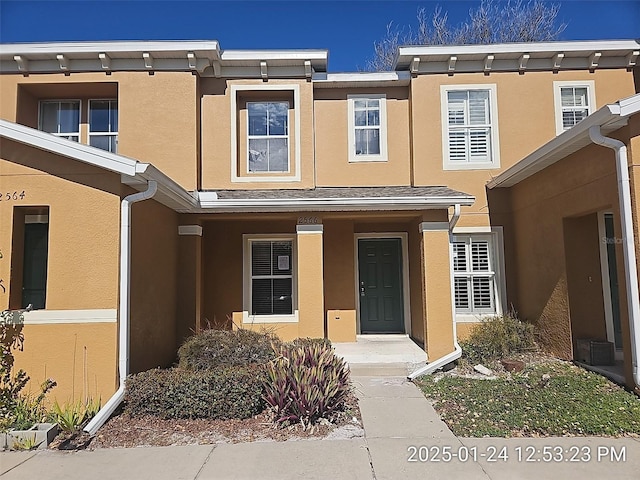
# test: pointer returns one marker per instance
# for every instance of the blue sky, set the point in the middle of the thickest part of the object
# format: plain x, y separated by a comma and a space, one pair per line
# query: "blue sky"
347, 29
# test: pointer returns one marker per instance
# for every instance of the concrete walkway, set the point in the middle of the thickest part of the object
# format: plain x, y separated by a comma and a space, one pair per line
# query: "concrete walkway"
400, 426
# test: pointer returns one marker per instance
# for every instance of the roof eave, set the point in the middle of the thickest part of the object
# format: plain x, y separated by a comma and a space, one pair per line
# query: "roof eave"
609, 118
210, 203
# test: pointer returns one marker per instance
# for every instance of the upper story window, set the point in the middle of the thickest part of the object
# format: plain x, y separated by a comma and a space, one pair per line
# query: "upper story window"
367, 128
474, 274
268, 136
103, 124
574, 101
61, 118
470, 127
265, 132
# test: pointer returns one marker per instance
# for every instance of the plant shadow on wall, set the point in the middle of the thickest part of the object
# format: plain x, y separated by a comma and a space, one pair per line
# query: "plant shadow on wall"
237, 385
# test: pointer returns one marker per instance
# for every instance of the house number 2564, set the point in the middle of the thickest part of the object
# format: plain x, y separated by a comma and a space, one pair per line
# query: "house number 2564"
9, 196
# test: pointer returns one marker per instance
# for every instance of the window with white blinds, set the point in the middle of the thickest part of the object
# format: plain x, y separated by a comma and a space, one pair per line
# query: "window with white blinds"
469, 127
473, 274
271, 277
574, 102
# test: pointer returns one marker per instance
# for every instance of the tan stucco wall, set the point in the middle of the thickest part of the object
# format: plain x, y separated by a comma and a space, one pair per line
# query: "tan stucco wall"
436, 281
526, 119
554, 211
81, 358
157, 114
217, 133
83, 258
310, 285
332, 146
84, 217
584, 277
154, 289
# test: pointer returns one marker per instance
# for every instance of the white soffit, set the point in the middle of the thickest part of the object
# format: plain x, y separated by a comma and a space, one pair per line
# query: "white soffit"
519, 57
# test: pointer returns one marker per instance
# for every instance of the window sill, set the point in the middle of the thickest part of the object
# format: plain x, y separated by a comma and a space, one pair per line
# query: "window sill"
368, 158
470, 166
473, 317
257, 319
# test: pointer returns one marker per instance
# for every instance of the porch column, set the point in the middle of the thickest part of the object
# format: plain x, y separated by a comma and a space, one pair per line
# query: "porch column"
436, 289
310, 281
189, 281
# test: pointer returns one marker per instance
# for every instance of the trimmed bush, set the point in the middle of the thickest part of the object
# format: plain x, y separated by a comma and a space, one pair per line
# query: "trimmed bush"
212, 349
223, 393
498, 337
306, 383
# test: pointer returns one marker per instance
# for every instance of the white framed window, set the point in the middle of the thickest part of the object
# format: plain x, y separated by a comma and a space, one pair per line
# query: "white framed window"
268, 137
470, 127
242, 174
270, 287
60, 118
574, 101
103, 124
476, 270
367, 128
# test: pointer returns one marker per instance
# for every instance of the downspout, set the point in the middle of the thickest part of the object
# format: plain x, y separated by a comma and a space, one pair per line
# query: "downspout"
125, 302
628, 245
457, 351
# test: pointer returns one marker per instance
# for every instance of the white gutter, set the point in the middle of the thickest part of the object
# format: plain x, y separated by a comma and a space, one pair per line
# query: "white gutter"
125, 302
457, 350
629, 244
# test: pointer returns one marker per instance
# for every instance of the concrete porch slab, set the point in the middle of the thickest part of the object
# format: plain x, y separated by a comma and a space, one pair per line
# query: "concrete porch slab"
396, 351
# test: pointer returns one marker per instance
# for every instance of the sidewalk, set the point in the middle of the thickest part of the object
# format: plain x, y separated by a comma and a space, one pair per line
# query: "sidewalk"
396, 418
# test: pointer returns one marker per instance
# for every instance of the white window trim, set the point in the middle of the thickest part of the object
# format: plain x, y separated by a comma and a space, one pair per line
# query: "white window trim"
493, 112
265, 176
268, 137
557, 100
247, 318
59, 100
382, 156
101, 134
500, 288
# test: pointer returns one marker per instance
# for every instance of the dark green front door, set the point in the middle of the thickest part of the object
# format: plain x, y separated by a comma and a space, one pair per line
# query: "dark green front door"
380, 285
34, 279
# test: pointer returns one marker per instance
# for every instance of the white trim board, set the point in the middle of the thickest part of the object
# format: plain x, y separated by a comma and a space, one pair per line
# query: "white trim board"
44, 317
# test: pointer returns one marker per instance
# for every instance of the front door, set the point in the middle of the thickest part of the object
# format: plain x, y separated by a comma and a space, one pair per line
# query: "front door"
380, 285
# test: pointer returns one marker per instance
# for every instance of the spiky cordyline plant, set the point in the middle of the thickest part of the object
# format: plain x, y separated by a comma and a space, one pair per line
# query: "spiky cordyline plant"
305, 384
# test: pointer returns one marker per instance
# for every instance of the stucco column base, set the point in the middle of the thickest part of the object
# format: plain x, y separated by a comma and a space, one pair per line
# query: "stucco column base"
310, 281
436, 288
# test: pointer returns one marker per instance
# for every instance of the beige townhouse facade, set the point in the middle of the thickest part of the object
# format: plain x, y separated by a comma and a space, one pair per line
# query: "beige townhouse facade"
151, 189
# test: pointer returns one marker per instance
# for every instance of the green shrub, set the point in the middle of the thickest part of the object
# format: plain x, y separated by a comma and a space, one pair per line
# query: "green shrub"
28, 410
212, 349
498, 337
306, 383
71, 416
222, 393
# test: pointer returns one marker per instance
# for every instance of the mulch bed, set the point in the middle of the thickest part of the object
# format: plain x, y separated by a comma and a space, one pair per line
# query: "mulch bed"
123, 430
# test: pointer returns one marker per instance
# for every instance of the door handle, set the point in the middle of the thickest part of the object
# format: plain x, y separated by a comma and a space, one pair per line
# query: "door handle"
362, 293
